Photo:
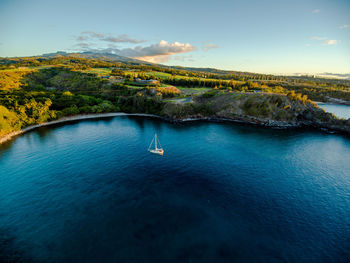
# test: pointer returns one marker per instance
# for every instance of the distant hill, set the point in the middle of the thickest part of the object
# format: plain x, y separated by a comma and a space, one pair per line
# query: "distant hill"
96, 55
116, 58
110, 57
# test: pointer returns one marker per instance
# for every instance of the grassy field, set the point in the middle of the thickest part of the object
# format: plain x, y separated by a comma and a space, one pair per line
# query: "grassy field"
185, 91
163, 85
160, 75
166, 75
193, 91
98, 71
135, 87
163, 75
157, 74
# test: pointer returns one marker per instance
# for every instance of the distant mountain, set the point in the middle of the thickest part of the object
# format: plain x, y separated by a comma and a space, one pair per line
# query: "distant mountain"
58, 53
97, 55
103, 55
113, 57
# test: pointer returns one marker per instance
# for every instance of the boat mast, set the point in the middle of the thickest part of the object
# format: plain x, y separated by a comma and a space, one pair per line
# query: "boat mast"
151, 144
155, 141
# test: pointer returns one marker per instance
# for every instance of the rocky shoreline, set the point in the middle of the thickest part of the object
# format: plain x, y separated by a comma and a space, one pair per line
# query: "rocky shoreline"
247, 121
269, 124
273, 111
336, 101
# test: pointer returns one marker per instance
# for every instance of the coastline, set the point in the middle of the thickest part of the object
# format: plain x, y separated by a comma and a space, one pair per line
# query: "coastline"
334, 101
79, 117
271, 124
250, 121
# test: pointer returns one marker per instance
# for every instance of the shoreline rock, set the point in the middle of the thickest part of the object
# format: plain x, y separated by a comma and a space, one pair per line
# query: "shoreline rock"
246, 121
336, 101
272, 124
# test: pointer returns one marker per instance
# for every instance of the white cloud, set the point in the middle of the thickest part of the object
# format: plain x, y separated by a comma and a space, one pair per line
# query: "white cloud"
315, 11
344, 27
156, 53
209, 46
307, 45
326, 41
331, 42
160, 52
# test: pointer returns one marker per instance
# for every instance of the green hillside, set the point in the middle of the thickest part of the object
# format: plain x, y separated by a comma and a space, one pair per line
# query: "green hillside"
38, 89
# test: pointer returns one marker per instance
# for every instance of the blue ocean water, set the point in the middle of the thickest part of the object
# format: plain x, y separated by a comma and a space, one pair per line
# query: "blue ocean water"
90, 192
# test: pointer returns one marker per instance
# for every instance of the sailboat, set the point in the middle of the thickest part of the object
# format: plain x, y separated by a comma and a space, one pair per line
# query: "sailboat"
155, 150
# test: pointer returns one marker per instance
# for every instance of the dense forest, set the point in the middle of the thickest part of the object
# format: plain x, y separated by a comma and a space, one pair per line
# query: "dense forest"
50, 93
38, 89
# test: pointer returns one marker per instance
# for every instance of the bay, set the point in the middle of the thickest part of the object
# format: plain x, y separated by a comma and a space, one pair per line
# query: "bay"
90, 192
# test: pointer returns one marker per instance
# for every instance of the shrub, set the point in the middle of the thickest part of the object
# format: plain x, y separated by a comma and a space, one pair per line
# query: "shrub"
209, 94
73, 110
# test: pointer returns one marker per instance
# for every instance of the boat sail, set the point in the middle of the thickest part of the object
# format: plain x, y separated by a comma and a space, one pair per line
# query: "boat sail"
157, 150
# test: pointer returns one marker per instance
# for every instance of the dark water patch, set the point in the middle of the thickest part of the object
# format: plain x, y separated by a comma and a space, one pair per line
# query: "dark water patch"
9, 251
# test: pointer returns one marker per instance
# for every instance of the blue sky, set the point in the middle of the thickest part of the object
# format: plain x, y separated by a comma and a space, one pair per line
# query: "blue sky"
300, 36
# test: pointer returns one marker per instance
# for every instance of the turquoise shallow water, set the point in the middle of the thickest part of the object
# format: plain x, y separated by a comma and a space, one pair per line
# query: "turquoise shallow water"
342, 111
90, 192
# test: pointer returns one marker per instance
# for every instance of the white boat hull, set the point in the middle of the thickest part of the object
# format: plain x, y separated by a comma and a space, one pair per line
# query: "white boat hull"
157, 151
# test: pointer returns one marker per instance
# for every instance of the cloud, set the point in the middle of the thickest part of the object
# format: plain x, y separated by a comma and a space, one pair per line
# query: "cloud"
156, 53
209, 46
91, 35
122, 39
344, 27
160, 52
307, 45
325, 40
331, 42
316, 11
82, 38
183, 58
84, 45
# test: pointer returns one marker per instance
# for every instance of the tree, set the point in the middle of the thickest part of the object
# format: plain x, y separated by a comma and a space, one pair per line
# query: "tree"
9, 121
